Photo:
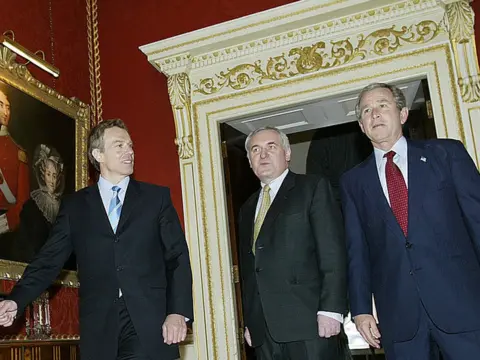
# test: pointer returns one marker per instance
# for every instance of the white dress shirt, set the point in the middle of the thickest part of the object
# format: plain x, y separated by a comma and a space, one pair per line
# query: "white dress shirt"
400, 159
106, 193
274, 187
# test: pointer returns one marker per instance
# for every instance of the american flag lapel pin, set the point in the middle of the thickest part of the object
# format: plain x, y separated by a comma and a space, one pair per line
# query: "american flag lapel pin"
424, 159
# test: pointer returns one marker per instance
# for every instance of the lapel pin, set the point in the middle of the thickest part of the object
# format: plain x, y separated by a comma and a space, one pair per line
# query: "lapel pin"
423, 158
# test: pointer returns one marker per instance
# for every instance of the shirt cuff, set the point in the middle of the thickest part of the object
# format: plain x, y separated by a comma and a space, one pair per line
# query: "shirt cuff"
332, 315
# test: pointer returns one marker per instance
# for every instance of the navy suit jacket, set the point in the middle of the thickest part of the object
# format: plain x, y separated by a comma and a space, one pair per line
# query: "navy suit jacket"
147, 258
438, 263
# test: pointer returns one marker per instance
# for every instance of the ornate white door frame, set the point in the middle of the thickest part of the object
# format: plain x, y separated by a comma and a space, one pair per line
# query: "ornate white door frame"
289, 55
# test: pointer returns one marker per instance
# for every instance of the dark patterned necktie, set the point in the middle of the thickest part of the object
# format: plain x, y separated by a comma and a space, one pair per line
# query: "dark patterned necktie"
397, 191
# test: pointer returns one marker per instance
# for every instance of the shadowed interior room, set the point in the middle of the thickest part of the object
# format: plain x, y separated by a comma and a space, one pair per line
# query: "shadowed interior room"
190, 80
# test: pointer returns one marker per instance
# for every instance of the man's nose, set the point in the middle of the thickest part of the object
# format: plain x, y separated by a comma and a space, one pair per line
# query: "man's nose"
375, 113
263, 153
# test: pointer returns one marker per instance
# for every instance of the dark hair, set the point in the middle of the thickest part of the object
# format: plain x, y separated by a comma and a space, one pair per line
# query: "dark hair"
398, 96
96, 138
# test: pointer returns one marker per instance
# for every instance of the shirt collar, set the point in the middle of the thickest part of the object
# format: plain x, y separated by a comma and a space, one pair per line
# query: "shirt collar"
400, 148
4, 130
276, 183
106, 185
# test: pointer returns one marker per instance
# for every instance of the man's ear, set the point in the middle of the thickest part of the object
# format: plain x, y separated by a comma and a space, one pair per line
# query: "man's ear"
404, 115
288, 154
98, 155
361, 126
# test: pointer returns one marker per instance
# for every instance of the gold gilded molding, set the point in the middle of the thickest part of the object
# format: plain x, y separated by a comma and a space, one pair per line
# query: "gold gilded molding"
206, 235
325, 29
94, 62
469, 89
179, 91
320, 56
13, 270
184, 147
460, 19
18, 76
238, 29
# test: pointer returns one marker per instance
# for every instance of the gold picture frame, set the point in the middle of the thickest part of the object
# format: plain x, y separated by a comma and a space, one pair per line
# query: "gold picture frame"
16, 77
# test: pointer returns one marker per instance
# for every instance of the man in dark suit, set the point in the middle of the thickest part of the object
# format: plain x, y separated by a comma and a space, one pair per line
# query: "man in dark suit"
293, 258
412, 219
133, 262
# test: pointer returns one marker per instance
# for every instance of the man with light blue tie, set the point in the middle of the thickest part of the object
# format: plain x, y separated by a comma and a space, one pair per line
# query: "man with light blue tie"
133, 261
412, 220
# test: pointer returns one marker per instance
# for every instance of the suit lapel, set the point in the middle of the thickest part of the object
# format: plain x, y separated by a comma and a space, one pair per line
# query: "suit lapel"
132, 198
374, 191
418, 174
97, 209
278, 203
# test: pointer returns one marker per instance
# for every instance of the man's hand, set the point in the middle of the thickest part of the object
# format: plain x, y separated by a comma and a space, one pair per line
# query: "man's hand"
367, 327
174, 329
248, 338
8, 312
327, 326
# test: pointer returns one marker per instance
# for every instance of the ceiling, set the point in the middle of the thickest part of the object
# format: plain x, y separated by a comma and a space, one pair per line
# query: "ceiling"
321, 113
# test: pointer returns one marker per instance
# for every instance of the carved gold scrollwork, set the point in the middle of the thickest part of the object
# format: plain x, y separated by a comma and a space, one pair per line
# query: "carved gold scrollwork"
319, 56
460, 20
179, 90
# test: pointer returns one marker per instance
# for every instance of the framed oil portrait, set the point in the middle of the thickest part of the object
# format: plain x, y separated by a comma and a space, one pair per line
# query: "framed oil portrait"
43, 157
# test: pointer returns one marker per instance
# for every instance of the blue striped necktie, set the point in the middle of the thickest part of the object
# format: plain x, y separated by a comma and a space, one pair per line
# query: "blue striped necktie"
115, 208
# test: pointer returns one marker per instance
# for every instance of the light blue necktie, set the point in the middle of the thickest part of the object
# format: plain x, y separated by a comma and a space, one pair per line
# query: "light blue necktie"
115, 208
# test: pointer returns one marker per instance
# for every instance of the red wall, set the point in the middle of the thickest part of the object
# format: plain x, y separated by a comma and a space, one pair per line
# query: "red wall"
30, 21
137, 93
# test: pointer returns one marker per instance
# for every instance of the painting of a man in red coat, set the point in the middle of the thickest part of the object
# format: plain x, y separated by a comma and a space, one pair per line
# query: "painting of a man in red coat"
14, 178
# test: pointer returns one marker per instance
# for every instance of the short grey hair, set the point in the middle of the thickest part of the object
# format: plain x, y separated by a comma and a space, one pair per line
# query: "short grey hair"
398, 96
283, 138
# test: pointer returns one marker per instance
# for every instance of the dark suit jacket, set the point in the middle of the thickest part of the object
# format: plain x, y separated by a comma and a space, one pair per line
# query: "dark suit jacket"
147, 258
438, 263
300, 262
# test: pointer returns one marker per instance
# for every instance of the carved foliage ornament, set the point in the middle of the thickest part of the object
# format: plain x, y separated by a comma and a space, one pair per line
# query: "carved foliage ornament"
460, 20
184, 147
320, 56
179, 91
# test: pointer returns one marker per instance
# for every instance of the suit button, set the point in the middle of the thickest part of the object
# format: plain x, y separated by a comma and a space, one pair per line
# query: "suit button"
119, 268
408, 245
258, 270
250, 252
260, 247
117, 239
411, 272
